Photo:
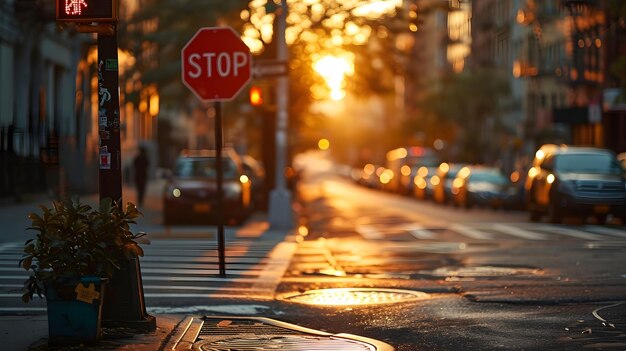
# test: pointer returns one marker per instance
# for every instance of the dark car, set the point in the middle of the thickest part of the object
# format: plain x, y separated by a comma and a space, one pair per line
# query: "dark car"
581, 181
482, 186
622, 160
190, 194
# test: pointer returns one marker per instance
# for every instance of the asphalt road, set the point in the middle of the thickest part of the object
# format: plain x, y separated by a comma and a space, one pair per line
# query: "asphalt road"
441, 278
493, 280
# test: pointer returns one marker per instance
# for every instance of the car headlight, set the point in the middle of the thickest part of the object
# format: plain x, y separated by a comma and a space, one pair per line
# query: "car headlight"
172, 192
232, 190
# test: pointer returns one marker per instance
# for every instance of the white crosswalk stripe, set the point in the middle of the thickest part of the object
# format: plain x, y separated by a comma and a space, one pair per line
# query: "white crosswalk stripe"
179, 269
490, 231
517, 232
471, 232
369, 232
607, 231
420, 232
570, 232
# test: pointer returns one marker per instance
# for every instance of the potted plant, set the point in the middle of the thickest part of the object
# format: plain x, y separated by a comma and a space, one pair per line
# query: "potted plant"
75, 251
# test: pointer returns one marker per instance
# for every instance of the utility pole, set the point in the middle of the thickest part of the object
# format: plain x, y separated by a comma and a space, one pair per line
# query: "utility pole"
280, 211
124, 303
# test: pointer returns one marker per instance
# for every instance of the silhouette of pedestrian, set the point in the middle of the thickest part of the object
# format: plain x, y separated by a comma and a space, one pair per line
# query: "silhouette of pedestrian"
140, 163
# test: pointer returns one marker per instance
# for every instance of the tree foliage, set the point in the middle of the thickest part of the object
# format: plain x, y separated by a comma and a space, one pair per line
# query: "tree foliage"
157, 32
468, 100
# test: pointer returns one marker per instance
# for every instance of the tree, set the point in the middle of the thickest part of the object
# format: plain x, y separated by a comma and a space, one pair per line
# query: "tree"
469, 100
156, 33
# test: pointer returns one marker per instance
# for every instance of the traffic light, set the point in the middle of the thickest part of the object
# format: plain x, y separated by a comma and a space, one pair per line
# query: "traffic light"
256, 96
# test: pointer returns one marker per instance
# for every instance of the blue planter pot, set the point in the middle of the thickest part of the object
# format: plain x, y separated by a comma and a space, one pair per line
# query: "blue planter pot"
74, 310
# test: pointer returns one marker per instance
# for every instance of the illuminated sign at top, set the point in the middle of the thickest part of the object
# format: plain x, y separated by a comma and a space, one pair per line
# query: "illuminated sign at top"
86, 10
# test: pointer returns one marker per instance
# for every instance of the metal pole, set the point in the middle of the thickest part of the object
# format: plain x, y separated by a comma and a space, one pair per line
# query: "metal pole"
124, 303
280, 214
110, 160
220, 189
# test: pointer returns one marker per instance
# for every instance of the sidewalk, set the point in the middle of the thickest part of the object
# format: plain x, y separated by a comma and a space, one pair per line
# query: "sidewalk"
21, 333
177, 331
184, 332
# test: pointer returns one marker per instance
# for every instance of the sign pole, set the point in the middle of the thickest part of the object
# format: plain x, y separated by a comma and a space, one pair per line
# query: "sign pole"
280, 213
124, 303
220, 188
215, 66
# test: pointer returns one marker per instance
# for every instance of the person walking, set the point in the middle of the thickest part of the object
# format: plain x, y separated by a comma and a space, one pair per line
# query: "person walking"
140, 164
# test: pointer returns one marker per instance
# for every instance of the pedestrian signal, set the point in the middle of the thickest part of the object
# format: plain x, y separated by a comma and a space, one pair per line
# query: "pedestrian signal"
86, 10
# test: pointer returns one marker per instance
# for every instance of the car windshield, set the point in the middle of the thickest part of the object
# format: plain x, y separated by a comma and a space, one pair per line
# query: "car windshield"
489, 177
426, 161
587, 163
204, 168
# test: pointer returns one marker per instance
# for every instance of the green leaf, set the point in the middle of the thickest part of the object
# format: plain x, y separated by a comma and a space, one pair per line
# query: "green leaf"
26, 262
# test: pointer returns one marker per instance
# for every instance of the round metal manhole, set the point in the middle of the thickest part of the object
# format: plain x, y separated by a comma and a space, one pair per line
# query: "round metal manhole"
355, 296
286, 343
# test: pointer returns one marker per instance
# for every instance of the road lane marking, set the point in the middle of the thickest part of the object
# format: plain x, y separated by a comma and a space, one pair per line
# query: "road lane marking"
471, 232
569, 232
369, 232
159, 278
7, 246
607, 231
23, 309
518, 232
272, 273
194, 288
420, 232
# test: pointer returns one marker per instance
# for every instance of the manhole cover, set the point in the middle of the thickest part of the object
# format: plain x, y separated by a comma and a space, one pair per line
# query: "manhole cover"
355, 296
287, 343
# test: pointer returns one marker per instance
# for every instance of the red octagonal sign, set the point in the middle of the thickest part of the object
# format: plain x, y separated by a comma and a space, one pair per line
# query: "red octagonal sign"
216, 64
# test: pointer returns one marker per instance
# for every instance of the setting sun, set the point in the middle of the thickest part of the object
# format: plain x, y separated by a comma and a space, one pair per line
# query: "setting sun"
334, 69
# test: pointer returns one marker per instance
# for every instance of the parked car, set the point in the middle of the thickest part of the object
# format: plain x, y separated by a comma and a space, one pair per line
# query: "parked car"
442, 181
582, 181
423, 187
190, 193
402, 164
482, 186
622, 160
368, 177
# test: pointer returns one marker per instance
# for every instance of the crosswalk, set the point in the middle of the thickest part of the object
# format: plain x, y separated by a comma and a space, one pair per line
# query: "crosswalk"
491, 231
175, 269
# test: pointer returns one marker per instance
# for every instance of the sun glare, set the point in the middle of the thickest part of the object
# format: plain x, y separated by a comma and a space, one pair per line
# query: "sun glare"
334, 69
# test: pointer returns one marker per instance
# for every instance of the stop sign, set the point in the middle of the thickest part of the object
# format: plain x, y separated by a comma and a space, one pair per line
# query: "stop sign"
215, 64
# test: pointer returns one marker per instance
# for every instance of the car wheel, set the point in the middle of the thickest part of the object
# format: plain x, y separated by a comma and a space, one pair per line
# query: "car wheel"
600, 219
535, 216
168, 218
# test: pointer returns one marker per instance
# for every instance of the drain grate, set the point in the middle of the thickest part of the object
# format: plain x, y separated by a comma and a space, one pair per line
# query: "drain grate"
230, 333
355, 296
213, 327
286, 343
